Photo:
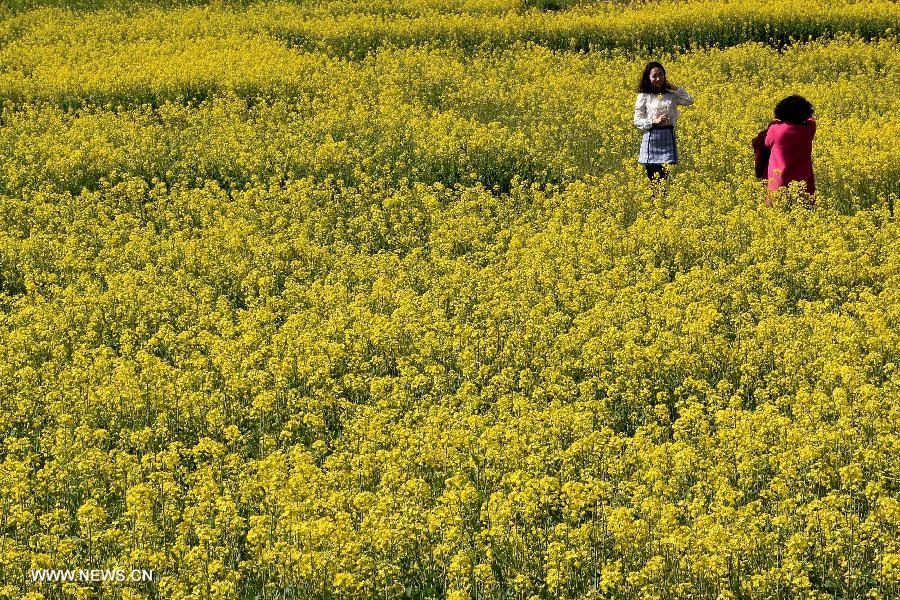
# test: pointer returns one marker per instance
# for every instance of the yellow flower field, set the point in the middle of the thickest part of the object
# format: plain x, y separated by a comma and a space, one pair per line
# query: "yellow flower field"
371, 300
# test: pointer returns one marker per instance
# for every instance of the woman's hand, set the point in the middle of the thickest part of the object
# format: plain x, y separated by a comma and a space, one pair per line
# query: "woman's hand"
661, 119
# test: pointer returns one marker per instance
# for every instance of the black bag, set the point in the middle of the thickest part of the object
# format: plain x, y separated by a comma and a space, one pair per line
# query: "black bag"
761, 154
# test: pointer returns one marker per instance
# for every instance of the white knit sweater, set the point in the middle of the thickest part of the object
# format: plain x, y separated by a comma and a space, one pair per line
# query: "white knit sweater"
649, 106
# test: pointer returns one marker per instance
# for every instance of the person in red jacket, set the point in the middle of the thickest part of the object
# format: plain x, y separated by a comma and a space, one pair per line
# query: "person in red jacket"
789, 138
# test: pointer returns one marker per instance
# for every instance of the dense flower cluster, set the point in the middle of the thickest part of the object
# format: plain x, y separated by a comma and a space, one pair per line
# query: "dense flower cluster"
357, 27
296, 319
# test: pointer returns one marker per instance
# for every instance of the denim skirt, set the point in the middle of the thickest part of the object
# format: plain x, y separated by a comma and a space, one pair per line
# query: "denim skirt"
658, 146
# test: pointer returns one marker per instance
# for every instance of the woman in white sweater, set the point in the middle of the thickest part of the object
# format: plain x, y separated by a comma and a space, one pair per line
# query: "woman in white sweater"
655, 113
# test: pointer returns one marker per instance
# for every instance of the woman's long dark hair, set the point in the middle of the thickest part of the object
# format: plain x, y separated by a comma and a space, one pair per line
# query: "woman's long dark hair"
645, 87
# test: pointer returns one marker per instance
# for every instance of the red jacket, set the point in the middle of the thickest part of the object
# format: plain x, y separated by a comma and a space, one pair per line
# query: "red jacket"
791, 157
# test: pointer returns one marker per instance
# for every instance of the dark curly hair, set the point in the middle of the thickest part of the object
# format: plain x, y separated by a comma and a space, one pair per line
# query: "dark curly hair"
794, 109
645, 87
